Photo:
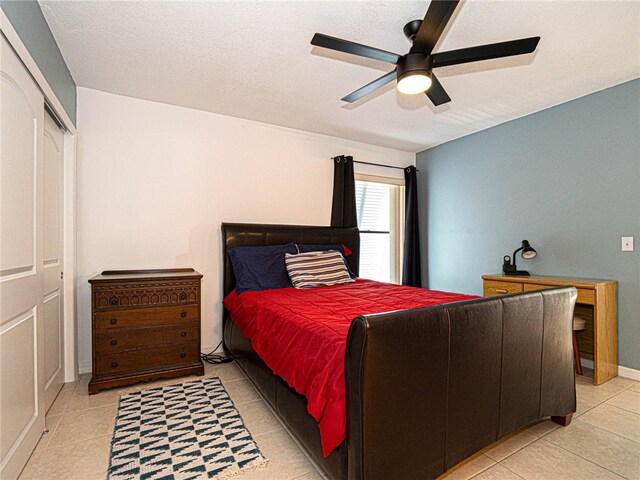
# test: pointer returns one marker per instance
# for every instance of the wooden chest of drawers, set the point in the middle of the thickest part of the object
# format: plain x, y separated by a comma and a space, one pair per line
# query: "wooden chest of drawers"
145, 326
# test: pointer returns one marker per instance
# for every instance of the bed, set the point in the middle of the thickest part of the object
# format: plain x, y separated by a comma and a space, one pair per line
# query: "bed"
425, 387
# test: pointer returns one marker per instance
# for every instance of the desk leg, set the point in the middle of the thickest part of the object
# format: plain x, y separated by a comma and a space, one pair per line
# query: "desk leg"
605, 334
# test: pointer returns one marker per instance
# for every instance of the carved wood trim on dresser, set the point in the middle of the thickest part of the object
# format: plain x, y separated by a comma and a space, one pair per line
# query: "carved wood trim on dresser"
145, 326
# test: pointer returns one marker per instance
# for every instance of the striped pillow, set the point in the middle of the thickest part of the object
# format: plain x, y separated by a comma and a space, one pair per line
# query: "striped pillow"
317, 269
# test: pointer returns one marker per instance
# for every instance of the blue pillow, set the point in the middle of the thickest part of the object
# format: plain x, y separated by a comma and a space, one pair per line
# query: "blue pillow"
322, 247
260, 268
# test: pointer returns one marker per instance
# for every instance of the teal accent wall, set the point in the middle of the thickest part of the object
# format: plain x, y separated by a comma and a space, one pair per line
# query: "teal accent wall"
29, 22
567, 179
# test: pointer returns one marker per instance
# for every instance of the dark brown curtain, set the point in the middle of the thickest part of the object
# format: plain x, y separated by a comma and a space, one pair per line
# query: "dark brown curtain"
343, 210
411, 261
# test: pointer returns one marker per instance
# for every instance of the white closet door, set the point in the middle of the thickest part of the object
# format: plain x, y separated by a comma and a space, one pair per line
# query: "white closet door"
52, 260
21, 265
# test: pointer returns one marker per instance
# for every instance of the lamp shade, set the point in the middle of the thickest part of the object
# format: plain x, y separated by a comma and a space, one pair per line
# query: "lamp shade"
527, 250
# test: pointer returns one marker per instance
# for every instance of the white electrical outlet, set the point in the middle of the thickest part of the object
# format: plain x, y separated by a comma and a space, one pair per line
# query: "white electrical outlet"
627, 244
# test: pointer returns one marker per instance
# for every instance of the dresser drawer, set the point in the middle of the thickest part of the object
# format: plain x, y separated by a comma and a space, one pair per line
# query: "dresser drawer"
146, 316
147, 359
150, 294
115, 340
493, 288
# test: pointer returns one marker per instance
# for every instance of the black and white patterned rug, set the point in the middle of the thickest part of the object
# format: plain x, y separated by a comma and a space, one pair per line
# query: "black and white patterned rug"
179, 432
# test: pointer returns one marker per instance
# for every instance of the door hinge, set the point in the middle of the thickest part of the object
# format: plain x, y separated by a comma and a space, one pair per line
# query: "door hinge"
61, 275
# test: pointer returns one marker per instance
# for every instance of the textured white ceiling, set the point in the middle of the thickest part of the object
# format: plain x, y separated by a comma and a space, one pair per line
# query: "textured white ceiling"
253, 60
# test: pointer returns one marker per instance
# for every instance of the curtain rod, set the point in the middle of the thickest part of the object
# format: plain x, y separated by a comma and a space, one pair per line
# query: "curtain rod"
377, 164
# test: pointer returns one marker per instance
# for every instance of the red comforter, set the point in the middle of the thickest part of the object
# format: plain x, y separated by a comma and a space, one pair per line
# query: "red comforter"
301, 335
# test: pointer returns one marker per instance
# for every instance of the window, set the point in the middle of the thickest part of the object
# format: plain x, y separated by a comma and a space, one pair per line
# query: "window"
380, 209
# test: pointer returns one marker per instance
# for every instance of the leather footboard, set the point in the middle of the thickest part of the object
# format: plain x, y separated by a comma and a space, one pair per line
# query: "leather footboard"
429, 387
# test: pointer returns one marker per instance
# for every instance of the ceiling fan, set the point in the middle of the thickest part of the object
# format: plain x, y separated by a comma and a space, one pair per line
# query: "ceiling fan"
414, 70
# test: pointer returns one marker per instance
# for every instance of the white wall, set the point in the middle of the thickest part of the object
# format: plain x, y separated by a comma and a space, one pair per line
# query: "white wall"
155, 181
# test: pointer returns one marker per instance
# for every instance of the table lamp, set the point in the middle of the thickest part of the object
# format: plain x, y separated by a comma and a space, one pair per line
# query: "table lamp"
528, 252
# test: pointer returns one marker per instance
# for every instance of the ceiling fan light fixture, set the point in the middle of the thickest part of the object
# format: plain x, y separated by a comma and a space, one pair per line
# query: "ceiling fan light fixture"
414, 82
414, 73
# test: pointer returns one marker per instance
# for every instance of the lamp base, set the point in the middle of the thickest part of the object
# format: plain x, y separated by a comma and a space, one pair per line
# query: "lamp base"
522, 273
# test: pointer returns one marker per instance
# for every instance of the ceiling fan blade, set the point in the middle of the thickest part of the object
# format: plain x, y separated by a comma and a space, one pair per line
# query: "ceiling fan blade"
370, 87
436, 92
485, 52
333, 43
435, 20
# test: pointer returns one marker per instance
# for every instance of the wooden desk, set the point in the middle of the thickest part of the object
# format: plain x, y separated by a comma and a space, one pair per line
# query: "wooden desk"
597, 303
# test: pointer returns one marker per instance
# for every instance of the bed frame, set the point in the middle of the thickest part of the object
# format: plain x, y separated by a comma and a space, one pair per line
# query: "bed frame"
426, 387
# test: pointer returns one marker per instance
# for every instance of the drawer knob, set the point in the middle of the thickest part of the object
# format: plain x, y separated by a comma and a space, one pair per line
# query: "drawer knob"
113, 301
502, 290
114, 342
183, 296
114, 364
183, 313
114, 320
183, 355
183, 334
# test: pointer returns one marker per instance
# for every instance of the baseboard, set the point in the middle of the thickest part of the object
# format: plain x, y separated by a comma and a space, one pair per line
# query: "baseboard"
210, 349
625, 372
84, 368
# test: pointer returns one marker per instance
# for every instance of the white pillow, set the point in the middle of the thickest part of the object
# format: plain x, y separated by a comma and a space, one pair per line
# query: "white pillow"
317, 269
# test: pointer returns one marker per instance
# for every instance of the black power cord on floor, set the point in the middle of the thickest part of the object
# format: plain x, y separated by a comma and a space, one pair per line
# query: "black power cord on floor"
216, 358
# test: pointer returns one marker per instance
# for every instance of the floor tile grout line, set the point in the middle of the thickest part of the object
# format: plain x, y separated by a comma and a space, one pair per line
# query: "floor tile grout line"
602, 428
624, 410
251, 401
621, 408
63, 444
627, 387
305, 473
608, 398
70, 412
487, 467
584, 458
503, 466
614, 433
84, 440
515, 473
516, 451
265, 433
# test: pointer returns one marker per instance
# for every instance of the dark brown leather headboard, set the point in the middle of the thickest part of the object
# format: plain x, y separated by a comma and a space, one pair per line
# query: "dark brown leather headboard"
249, 234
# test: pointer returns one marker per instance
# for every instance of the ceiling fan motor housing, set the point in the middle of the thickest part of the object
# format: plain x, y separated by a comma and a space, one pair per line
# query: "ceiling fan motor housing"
411, 29
413, 63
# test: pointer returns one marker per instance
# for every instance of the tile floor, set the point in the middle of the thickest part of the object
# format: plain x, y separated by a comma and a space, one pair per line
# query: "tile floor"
602, 442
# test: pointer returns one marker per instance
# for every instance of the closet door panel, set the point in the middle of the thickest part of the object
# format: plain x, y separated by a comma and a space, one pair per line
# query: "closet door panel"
52, 260
17, 186
21, 256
